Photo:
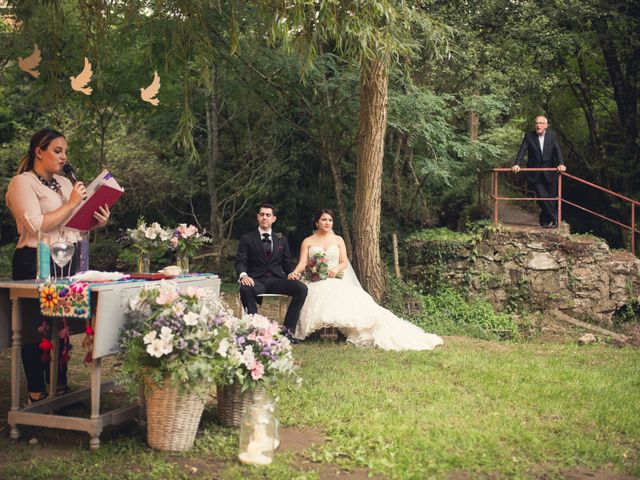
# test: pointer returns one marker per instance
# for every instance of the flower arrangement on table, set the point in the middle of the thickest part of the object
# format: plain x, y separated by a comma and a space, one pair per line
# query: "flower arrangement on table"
187, 241
148, 239
318, 268
176, 334
256, 353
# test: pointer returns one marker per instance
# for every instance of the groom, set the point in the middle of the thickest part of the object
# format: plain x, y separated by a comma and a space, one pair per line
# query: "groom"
263, 263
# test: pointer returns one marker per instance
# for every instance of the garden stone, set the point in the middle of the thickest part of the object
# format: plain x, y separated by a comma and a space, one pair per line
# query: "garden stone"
587, 338
542, 261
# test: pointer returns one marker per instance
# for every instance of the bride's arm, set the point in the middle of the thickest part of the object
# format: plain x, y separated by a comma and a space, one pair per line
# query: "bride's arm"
302, 264
344, 260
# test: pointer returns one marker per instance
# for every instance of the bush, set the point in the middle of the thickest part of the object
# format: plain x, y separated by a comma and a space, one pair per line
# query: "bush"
448, 312
6, 257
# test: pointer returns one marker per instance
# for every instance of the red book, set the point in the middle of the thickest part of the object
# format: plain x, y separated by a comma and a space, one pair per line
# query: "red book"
104, 189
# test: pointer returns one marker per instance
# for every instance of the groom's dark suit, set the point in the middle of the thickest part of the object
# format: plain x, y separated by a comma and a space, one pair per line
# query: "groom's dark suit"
269, 272
544, 183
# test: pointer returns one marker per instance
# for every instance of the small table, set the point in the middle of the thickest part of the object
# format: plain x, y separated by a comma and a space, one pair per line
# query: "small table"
109, 302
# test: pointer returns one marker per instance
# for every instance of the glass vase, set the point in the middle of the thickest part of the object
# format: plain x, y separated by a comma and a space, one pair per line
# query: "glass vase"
144, 262
183, 262
257, 434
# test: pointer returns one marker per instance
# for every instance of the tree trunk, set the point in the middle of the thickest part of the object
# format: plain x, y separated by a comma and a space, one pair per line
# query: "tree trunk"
213, 154
396, 173
624, 82
586, 101
336, 172
374, 83
474, 124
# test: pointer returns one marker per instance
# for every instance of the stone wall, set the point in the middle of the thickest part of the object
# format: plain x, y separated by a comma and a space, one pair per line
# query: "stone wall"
537, 269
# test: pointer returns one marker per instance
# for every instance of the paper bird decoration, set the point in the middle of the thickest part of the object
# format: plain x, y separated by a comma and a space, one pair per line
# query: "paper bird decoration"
79, 83
30, 64
148, 94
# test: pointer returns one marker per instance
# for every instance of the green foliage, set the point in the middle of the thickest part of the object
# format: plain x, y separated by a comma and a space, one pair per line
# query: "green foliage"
433, 250
448, 312
441, 235
6, 258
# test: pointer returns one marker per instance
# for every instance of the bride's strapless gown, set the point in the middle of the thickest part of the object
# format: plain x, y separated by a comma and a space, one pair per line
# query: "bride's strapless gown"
342, 303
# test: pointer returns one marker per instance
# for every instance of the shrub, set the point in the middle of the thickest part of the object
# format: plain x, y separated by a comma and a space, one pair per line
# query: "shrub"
448, 312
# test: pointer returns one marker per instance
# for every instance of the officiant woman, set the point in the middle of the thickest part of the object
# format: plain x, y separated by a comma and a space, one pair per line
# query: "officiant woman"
41, 199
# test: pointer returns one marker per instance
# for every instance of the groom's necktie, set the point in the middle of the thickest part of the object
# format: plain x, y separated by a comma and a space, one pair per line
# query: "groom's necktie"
266, 243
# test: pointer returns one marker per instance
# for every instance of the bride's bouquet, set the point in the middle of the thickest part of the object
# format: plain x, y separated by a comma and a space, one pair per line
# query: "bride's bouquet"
318, 268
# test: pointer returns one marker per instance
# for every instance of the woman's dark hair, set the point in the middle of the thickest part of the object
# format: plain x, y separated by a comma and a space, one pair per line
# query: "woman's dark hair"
316, 217
40, 139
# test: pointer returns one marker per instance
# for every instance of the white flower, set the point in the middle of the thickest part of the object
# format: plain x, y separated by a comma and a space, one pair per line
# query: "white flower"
191, 318
167, 347
165, 235
204, 314
150, 233
168, 293
150, 337
178, 309
166, 335
223, 347
259, 322
248, 358
156, 348
235, 356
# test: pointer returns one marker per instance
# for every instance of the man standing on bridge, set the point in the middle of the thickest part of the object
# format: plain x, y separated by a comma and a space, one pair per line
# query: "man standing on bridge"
543, 151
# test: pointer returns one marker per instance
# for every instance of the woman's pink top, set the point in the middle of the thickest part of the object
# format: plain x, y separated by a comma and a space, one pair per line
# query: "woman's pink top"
29, 200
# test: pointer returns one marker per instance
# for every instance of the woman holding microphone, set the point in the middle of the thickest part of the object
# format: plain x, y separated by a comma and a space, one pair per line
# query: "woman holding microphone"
41, 199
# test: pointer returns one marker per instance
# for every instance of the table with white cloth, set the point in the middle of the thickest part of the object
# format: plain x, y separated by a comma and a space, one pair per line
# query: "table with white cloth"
109, 302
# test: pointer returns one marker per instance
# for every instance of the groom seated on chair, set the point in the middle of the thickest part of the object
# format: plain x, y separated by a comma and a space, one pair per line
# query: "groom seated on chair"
263, 263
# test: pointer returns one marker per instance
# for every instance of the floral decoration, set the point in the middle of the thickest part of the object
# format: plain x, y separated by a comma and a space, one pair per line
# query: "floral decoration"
187, 240
256, 353
149, 238
174, 333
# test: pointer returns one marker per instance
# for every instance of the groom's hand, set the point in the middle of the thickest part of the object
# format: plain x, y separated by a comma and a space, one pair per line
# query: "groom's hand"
293, 276
247, 281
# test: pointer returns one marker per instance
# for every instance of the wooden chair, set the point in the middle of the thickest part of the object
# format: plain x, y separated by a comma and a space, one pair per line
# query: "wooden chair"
274, 306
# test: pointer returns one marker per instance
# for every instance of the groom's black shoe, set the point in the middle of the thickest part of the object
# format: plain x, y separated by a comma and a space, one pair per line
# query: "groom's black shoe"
287, 333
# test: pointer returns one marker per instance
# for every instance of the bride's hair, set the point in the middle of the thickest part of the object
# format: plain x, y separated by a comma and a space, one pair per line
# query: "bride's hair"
319, 214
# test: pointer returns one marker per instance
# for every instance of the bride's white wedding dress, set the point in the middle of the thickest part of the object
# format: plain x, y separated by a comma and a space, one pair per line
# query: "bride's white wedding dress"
342, 303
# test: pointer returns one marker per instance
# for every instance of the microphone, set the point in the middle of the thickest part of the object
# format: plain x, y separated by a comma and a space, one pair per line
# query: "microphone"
70, 174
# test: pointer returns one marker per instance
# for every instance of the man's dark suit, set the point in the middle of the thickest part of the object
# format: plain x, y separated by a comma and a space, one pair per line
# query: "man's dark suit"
269, 272
545, 184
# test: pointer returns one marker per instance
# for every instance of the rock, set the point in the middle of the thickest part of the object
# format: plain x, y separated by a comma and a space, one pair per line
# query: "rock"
542, 261
587, 338
33, 441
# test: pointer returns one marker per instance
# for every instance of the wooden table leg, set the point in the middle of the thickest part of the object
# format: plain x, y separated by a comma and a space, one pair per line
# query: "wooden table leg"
16, 361
96, 371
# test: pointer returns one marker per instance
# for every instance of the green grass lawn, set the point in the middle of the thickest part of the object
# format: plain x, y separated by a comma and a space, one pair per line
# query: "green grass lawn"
472, 409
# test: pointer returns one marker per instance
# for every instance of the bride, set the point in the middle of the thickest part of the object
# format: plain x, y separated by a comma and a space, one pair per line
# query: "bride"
341, 302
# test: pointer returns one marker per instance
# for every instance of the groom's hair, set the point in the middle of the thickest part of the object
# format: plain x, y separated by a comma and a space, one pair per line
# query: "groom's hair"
267, 205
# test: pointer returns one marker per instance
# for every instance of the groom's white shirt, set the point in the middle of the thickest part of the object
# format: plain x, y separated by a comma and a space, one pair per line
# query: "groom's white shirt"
261, 231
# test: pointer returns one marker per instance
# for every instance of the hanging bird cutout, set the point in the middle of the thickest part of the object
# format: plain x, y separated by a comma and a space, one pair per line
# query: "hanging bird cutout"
30, 64
80, 82
148, 94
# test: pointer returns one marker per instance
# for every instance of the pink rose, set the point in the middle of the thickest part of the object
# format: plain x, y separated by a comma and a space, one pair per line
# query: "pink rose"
257, 371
